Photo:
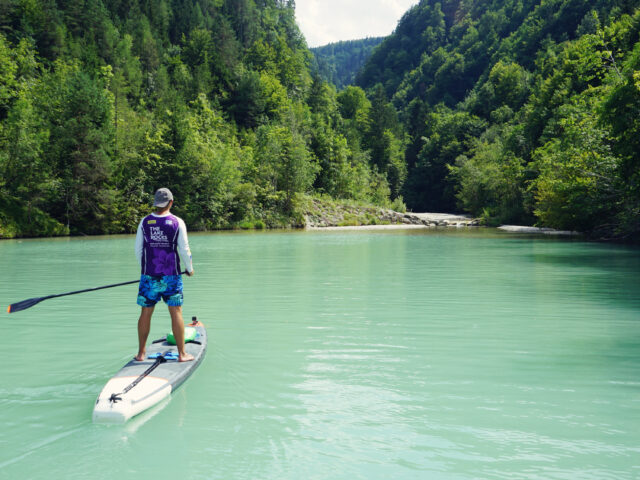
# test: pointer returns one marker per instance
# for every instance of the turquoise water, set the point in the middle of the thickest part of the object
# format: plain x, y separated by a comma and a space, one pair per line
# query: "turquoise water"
335, 355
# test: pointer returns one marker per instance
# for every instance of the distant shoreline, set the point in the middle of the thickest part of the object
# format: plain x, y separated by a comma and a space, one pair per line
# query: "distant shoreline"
354, 218
538, 230
371, 218
322, 213
516, 229
390, 220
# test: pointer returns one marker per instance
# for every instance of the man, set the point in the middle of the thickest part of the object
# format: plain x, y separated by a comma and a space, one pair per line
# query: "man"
161, 246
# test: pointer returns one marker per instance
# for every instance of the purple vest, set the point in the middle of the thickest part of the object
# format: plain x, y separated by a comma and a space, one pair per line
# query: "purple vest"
160, 251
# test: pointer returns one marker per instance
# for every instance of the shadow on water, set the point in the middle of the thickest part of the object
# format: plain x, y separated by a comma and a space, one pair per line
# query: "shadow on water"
609, 260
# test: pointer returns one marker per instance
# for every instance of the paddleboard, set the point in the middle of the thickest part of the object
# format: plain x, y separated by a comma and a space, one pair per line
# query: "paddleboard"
140, 385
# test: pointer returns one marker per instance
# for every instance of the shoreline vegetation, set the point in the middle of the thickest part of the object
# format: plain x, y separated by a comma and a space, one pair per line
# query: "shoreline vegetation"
324, 213
517, 113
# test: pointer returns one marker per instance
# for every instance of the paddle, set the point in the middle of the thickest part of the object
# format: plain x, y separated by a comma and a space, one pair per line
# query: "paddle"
24, 304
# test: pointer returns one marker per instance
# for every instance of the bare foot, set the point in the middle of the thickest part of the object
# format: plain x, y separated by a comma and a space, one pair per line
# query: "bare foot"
140, 357
187, 357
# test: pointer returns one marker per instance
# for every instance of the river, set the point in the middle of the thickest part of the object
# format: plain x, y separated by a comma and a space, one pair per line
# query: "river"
404, 354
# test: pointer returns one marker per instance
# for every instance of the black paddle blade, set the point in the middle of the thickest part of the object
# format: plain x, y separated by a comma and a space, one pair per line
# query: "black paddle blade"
24, 304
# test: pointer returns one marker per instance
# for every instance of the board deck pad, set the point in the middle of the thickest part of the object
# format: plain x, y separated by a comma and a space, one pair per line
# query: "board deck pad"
116, 405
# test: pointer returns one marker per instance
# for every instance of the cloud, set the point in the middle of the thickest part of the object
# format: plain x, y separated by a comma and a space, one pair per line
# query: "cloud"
327, 21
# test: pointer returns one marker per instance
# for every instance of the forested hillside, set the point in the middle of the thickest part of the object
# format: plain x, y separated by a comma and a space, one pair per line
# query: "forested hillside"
339, 62
519, 110
103, 101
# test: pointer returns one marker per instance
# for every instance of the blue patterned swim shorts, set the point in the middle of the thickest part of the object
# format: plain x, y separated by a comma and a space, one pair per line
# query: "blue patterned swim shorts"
167, 288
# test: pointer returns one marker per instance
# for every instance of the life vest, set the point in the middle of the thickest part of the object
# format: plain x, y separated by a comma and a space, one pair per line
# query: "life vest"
160, 249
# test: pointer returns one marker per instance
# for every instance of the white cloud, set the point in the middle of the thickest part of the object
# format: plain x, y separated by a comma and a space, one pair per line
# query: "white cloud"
327, 21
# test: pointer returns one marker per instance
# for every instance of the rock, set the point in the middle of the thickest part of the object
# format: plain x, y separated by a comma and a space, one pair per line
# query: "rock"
322, 214
536, 230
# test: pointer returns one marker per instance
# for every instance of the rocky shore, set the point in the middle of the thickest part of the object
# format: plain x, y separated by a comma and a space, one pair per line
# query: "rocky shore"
319, 214
537, 230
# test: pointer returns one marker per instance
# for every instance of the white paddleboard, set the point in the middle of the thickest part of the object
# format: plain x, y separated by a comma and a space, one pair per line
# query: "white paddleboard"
140, 385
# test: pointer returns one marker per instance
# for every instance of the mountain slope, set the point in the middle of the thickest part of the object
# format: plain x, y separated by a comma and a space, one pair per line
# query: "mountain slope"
511, 109
338, 63
103, 101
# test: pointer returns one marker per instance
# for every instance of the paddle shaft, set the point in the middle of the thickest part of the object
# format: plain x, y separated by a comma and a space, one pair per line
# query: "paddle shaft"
23, 305
90, 289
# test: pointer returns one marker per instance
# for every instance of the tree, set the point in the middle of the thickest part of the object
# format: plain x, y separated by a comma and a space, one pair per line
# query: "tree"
385, 142
578, 185
490, 183
354, 104
447, 135
287, 163
9, 84
212, 157
247, 104
80, 147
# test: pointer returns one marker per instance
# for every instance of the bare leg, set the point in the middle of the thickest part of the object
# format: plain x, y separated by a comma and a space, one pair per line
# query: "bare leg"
177, 325
144, 325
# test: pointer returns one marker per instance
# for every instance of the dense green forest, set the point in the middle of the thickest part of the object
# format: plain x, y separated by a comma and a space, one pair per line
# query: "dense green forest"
518, 111
523, 111
103, 101
339, 62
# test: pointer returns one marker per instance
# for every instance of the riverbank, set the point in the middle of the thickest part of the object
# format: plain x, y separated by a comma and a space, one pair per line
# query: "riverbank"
325, 213
330, 215
319, 213
538, 230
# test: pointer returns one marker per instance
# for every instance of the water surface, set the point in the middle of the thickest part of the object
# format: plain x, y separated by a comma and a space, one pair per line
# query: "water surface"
335, 355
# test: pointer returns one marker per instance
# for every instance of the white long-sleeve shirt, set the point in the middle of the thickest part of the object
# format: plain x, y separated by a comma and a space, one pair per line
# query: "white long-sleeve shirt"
183, 243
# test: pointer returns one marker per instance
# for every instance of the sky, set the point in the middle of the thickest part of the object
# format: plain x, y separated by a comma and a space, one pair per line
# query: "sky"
328, 21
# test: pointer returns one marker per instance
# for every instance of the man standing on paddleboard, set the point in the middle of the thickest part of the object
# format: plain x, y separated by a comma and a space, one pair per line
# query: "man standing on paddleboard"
161, 244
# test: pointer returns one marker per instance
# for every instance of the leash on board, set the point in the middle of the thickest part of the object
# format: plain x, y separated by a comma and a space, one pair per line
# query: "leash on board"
115, 397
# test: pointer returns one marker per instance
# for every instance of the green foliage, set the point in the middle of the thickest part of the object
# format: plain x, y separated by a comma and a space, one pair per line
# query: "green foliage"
447, 136
103, 102
286, 163
354, 104
247, 104
578, 184
515, 110
24, 141
505, 91
385, 140
81, 139
518, 110
422, 29
212, 156
490, 183
338, 63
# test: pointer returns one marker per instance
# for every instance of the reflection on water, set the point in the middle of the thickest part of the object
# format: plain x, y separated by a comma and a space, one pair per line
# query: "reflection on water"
397, 354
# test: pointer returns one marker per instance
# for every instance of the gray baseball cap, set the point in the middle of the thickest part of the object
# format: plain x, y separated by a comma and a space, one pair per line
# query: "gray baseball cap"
162, 197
